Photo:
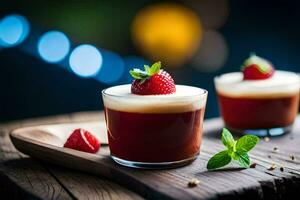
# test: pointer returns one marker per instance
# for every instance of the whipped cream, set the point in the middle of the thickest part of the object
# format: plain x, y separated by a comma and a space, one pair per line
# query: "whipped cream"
281, 84
185, 99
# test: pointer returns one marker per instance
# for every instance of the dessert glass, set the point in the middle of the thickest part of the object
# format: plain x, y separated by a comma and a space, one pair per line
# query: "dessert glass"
260, 107
154, 131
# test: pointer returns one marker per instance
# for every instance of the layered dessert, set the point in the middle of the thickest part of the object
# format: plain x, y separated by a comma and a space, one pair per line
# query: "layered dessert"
259, 99
158, 124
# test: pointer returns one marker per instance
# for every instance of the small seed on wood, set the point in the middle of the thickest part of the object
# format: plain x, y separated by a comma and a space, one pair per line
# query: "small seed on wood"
193, 182
275, 149
292, 157
281, 169
269, 156
272, 167
266, 139
253, 165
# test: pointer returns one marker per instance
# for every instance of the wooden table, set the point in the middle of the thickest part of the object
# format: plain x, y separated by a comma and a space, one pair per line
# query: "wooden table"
22, 177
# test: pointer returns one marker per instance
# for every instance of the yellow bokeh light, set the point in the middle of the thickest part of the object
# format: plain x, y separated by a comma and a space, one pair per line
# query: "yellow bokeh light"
167, 32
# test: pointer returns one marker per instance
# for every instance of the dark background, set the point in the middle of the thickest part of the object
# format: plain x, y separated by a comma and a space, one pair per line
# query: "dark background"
31, 87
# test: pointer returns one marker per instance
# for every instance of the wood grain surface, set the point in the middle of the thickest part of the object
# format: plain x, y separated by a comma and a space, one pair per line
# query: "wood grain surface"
22, 177
229, 183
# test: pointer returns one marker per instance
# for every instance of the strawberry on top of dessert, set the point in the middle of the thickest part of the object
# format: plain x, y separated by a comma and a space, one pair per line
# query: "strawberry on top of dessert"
152, 81
257, 68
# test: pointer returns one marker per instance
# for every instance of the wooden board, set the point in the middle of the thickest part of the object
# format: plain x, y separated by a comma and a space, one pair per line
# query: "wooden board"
22, 177
231, 183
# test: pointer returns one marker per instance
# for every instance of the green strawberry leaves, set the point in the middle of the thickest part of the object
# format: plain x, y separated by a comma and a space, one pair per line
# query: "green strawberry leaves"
262, 64
138, 74
236, 150
142, 75
155, 68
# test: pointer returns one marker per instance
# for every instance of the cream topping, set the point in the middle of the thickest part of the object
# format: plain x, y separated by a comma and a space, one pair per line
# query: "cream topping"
282, 83
185, 99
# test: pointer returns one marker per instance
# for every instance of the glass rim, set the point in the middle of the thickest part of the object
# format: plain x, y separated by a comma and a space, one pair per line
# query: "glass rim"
217, 81
202, 93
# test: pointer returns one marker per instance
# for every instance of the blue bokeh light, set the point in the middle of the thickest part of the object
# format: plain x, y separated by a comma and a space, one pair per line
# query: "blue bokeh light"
133, 62
13, 30
53, 46
85, 60
112, 68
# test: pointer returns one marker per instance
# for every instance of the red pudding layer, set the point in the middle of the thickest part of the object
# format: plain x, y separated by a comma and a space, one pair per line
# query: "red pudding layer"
258, 113
154, 137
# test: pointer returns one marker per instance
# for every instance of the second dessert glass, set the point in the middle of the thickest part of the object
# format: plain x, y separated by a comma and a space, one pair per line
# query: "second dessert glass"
260, 107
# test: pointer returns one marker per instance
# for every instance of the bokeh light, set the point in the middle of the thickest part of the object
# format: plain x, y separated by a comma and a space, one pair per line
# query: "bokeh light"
213, 13
112, 67
53, 46
212, 54
167, 32
85, 60
133, 62
13, 30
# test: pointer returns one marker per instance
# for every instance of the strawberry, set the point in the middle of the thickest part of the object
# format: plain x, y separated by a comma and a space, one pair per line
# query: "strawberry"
152, 81
82, 140
257, 68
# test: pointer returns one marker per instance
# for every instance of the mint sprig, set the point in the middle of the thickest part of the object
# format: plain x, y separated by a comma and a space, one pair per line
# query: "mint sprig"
236, 150
148, 71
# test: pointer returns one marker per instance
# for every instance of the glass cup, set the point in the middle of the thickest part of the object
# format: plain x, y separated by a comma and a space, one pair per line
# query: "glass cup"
260, 107
154, 131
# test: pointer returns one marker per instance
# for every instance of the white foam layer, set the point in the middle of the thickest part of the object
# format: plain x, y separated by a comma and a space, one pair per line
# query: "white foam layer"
185, 99
283, 83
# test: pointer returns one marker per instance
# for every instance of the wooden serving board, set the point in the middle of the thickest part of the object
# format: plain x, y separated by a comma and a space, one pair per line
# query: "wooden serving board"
45, 143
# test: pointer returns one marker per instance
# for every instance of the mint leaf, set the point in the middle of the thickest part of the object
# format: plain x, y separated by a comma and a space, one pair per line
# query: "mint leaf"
155, 68
219, 160
236, 150
227, 138
243, 160
246, 143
